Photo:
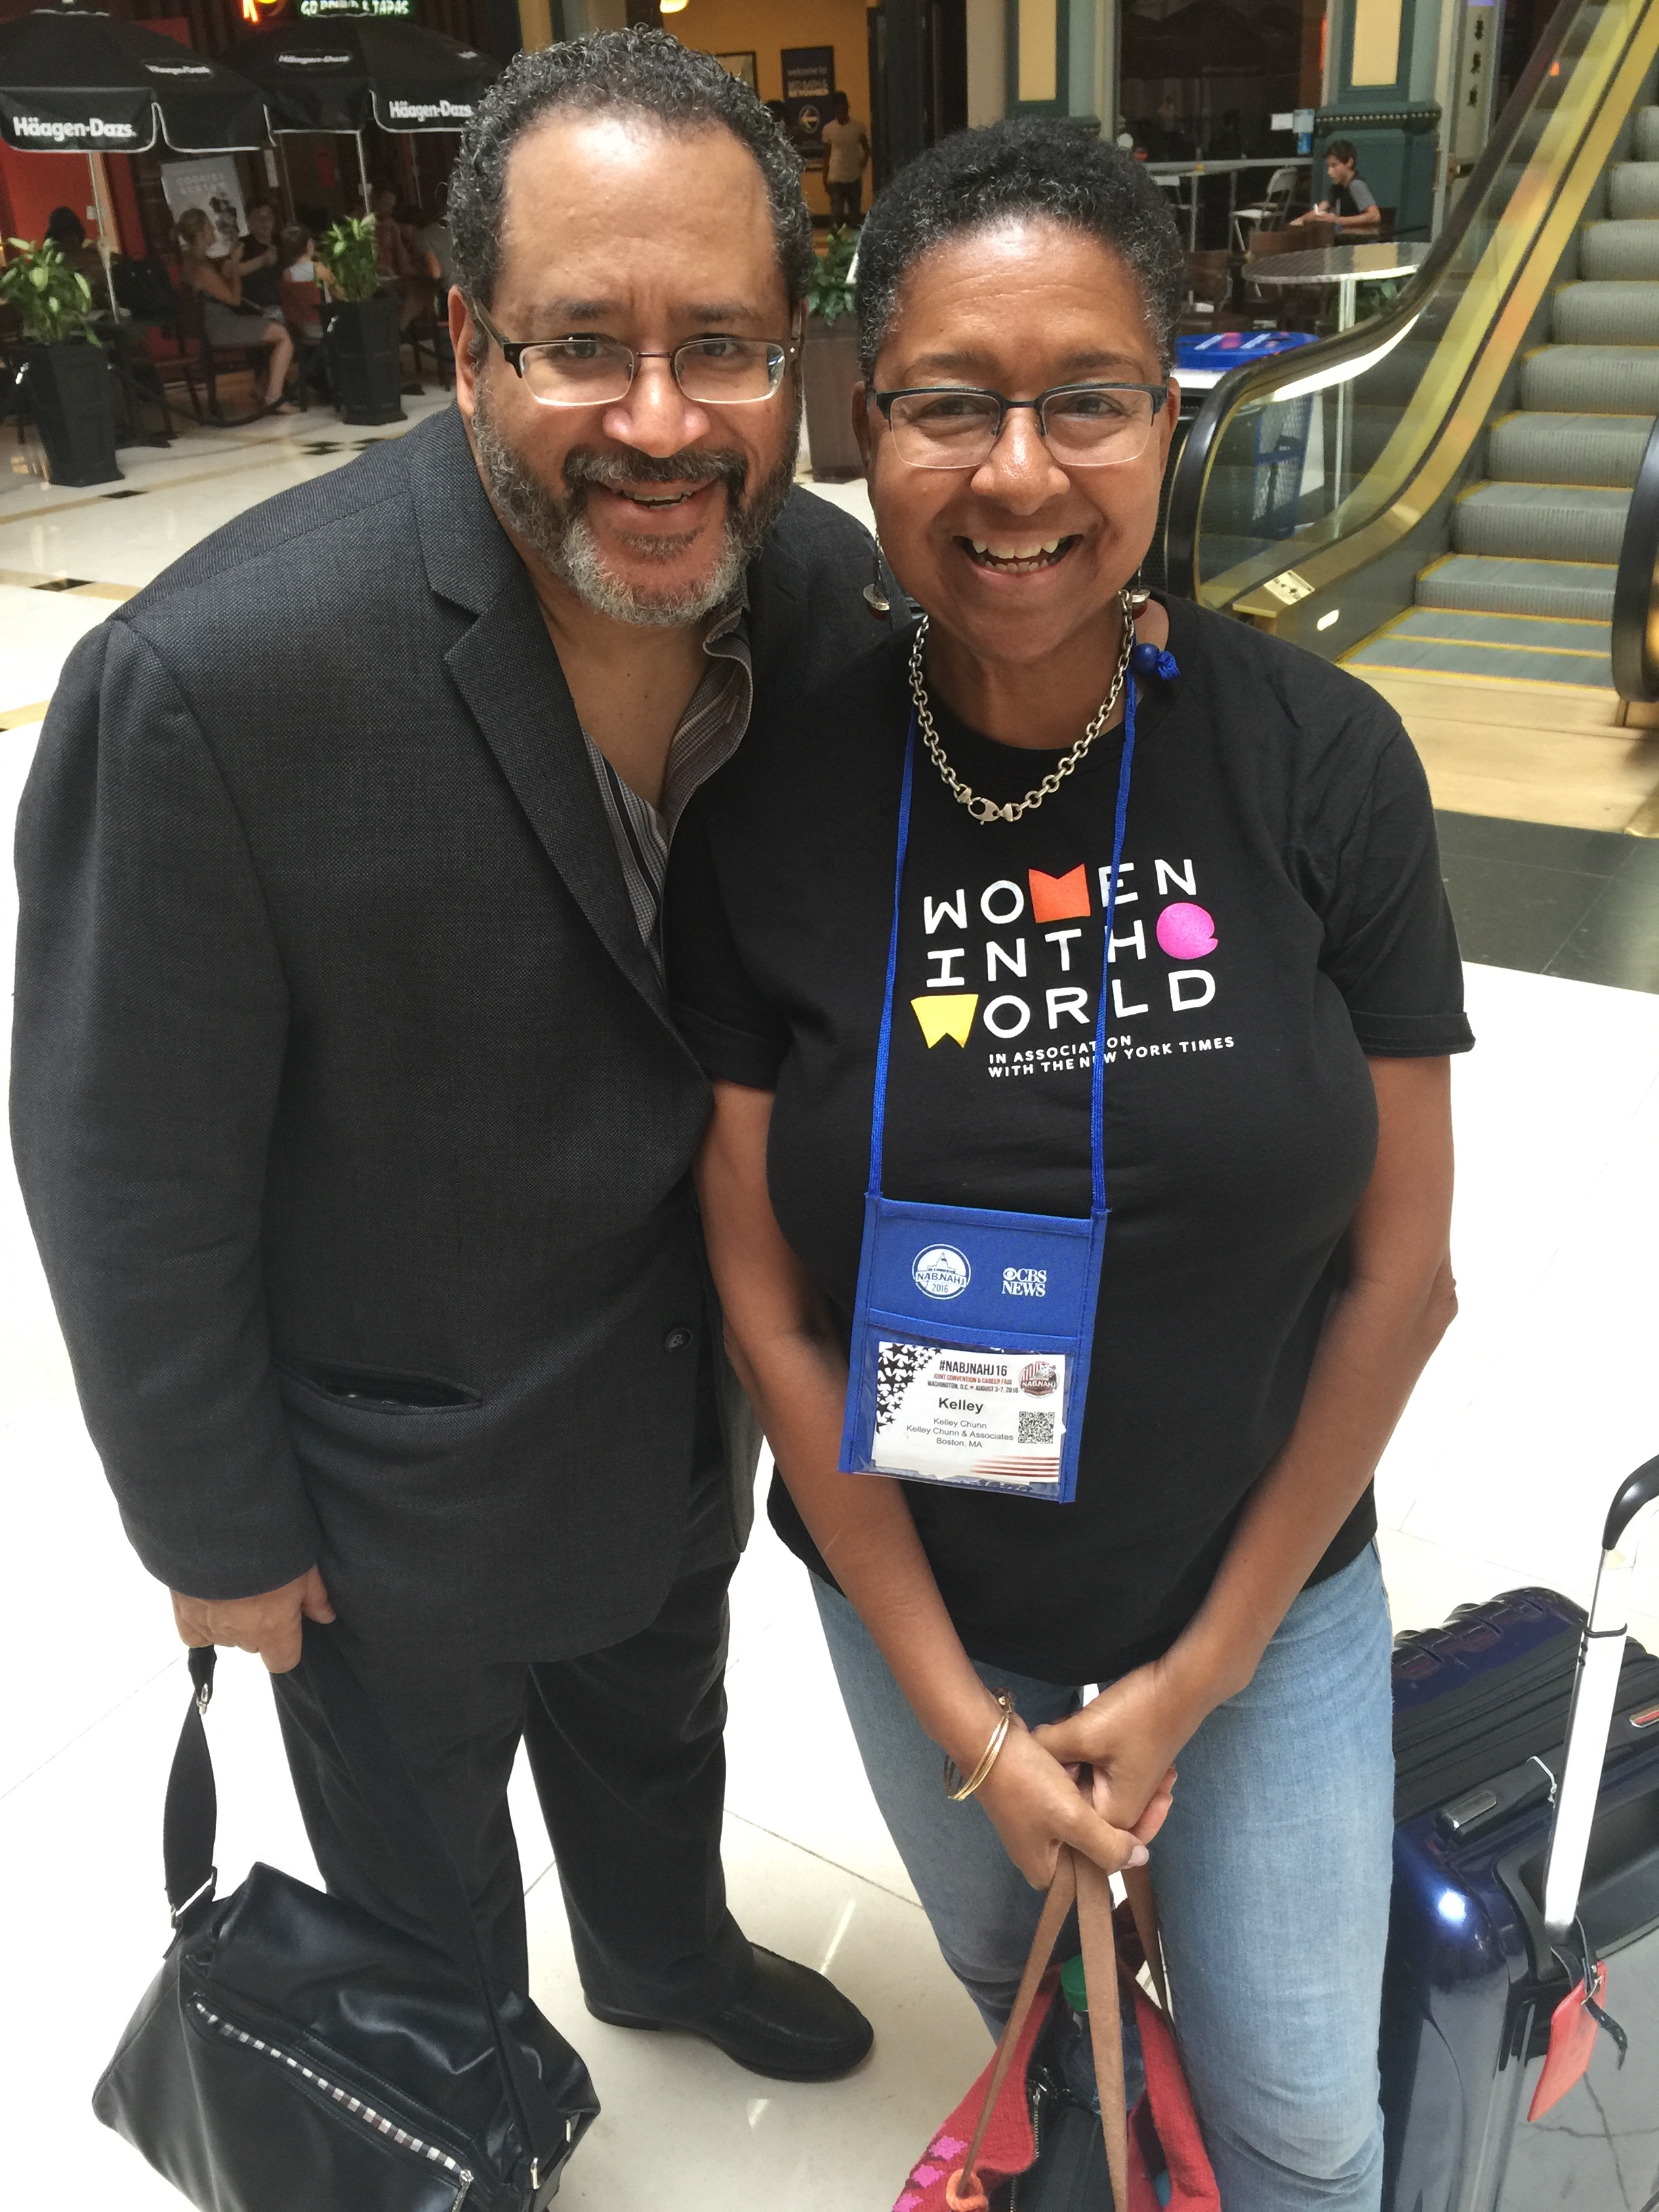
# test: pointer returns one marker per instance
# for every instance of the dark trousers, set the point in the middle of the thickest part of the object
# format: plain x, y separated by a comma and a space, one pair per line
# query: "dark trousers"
627, 1748
846, 201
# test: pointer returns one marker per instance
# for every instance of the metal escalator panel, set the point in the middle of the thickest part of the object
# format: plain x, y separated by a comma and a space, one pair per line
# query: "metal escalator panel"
1312, 489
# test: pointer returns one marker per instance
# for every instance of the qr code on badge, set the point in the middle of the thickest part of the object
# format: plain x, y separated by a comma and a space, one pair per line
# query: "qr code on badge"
1037, 1428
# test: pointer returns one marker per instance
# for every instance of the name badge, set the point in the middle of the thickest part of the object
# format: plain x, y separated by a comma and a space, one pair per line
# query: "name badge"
972, 1328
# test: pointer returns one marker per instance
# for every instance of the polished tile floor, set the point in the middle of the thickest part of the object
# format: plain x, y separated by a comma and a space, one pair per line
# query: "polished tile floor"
1539, 1401
1582, 903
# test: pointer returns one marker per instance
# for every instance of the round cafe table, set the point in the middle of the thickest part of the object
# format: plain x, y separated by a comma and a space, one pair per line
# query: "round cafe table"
1347, 267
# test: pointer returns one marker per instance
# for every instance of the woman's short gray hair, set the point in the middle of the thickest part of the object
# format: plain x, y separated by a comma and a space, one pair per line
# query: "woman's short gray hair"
1027, 166
636, 71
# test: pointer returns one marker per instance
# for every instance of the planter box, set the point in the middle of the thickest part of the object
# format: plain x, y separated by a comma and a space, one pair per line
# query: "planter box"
830, 372
69, 389
364, 366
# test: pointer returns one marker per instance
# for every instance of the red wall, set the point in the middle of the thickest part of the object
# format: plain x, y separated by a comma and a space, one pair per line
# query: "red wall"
32, 184
37, 183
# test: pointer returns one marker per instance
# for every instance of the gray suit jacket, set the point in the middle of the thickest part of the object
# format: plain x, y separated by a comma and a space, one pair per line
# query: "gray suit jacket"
350, 1120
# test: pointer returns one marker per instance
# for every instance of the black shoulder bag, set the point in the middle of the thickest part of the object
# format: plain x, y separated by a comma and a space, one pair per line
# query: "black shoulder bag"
295, 2050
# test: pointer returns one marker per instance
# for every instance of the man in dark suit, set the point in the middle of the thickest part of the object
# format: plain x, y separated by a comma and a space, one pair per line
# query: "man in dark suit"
351, 1122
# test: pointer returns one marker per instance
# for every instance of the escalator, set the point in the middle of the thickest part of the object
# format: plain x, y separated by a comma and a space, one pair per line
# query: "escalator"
1445, 489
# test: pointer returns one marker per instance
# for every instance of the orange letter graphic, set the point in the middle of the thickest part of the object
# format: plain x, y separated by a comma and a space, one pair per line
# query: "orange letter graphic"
1058, 898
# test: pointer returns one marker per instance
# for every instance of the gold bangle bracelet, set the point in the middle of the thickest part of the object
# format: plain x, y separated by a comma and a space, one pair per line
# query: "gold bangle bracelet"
955, 1788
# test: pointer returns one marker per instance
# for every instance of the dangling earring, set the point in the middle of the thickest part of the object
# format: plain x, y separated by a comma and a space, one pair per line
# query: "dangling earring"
1137, 594
875, 595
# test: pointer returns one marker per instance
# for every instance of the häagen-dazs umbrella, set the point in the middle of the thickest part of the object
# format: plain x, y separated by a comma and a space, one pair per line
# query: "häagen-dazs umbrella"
76, 81
346, 71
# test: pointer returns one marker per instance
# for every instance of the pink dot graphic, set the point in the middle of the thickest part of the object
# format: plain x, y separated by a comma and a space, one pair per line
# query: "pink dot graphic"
1186, 932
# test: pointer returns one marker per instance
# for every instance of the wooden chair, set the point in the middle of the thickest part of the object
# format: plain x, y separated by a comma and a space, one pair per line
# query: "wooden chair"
1209, 274
423, 330
198, 356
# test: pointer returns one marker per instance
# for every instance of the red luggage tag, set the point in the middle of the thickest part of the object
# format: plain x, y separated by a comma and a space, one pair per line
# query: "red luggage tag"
1572, 2039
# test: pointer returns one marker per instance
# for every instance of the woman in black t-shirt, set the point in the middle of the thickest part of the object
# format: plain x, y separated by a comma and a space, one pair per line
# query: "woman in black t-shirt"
1283, 991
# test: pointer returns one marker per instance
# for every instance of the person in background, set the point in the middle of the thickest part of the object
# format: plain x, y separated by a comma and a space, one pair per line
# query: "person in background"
303, 284
406, 268
431, 235
1350, 201
66, 231
846, 157
261, 255
1163, 137
226, 319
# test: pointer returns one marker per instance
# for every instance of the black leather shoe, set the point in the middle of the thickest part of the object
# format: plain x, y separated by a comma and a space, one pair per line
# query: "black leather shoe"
792, 2025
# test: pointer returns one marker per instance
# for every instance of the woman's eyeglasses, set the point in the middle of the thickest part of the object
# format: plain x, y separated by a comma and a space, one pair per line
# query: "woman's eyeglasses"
597, 372
953, 426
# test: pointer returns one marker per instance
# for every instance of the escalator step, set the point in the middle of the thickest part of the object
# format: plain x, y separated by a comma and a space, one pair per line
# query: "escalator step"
1618, 252
1501, 664
1537, 630
1483, 584
1600, 379
1606, 314
1541, 522
1568, 449
1633, 191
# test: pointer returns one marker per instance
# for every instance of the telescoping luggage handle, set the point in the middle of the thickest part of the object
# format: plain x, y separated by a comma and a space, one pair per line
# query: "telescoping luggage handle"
1594, 1695
189, 1822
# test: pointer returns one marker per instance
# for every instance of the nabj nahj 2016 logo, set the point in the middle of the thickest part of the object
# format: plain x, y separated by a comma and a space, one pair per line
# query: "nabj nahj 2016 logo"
941, 1271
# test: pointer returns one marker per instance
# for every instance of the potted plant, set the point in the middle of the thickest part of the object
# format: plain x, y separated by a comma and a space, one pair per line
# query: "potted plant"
362, 341
68, 376
829, 361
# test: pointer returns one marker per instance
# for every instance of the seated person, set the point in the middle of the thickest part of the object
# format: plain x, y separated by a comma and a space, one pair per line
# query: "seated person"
227, 319
1351, 203
261, 256
1162, 134
66, 231
409, 269
303, 282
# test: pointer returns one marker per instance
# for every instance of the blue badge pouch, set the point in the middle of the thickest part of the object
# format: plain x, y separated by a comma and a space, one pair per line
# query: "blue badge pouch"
972, 1327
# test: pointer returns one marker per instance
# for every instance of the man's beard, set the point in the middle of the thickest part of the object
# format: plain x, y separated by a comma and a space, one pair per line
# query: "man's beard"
557, 529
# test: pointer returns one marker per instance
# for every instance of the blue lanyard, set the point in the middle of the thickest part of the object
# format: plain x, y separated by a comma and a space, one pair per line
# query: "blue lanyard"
1097, 1081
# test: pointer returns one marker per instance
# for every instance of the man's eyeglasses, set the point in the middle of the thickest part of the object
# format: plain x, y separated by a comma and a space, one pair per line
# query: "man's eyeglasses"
585, 371
953, 426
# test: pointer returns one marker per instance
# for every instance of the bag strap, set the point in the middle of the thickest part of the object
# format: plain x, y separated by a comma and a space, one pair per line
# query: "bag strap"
393, 1802
1076, 1879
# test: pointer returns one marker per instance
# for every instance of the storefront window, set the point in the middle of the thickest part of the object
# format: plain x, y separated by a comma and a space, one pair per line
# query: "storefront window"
1212, 78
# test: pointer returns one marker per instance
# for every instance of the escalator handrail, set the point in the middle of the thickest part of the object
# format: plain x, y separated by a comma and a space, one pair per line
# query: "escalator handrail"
1246, 383
1636, 588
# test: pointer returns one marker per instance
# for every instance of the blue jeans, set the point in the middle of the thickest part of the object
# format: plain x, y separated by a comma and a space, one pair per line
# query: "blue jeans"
1272, 1874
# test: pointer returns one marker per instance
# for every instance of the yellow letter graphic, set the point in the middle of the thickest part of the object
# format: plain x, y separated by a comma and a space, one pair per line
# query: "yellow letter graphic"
947, 1017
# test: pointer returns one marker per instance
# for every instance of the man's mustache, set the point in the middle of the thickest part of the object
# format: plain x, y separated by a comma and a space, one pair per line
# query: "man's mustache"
585, 470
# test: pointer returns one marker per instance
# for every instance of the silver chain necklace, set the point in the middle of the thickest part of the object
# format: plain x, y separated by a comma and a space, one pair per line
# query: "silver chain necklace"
988, 810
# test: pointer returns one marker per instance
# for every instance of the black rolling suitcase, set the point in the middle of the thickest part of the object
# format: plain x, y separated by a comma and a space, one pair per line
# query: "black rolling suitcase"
1526, 1888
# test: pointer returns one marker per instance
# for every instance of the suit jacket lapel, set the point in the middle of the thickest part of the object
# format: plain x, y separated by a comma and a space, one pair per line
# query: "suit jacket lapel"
506, 671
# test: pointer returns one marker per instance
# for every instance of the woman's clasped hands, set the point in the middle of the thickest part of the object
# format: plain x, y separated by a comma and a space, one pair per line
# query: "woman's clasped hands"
1039, 1795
